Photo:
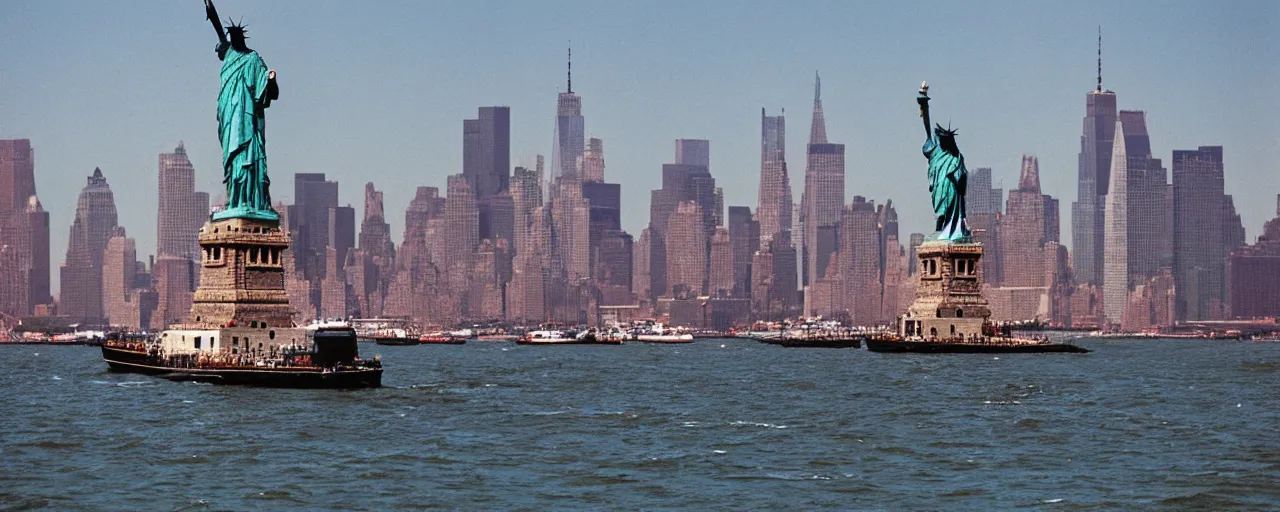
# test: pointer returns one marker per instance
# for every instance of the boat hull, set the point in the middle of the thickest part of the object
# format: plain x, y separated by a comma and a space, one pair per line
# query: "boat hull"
931, 347
652, 338
817, 343
129, 361
454, 341
396, 341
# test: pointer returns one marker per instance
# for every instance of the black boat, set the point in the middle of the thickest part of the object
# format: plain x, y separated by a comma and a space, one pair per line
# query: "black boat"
977, 346
817, 342
331, 363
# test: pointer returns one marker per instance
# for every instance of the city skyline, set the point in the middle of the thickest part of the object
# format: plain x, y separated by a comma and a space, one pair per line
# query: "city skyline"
635, 156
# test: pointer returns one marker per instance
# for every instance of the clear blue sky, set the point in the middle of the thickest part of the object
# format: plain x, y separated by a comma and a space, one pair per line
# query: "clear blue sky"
378, 90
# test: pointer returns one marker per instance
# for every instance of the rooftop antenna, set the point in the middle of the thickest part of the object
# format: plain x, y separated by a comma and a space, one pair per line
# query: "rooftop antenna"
1099, 58
571, 65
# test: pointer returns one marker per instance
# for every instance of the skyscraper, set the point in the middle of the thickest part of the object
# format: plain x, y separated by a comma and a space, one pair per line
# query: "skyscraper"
81, 274
1198, 235
1022, 235
1115, 275
693, 152
1093, 179
744, 234
686, 243
592, 168
182, 210
570, 131
24, 232
823, 197
1135, 214
773, 210
119, 266
486, 151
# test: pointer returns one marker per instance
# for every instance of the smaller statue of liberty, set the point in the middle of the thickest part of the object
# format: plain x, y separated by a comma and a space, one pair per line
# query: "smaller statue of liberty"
947, 176
248, 88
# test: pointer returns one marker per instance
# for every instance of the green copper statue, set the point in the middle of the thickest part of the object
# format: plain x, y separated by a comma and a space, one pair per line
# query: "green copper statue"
947, 176
247, 90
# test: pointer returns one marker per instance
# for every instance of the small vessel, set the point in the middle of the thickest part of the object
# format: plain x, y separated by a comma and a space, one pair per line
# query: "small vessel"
659, 333
815, 334
394, 336
319, 357
440, 338
558, 337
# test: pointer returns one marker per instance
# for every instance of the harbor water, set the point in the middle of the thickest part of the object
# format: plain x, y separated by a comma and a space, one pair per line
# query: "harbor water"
715, 425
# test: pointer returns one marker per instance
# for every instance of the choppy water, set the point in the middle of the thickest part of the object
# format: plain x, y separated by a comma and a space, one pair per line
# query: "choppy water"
716, 425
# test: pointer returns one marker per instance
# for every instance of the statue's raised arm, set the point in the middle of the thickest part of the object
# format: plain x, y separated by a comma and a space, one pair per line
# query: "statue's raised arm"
923, 101
211, 13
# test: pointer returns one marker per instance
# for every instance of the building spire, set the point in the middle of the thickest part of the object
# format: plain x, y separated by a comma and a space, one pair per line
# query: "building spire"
1099, 58
817, 90
818, 129
571, 63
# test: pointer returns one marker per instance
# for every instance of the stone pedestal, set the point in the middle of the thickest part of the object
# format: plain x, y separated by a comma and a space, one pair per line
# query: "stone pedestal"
241, 276
949, 300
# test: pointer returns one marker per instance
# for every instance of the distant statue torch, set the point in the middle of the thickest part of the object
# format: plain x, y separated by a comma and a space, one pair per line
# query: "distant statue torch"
923, 100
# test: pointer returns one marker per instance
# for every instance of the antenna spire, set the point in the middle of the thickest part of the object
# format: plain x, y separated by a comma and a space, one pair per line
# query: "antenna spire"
571, 66
1099, 58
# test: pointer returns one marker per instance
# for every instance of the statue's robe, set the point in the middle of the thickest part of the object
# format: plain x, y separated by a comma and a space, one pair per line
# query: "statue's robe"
947, 181
246, 93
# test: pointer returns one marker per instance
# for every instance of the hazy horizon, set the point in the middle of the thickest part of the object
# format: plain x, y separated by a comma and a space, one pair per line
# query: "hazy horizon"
378, 92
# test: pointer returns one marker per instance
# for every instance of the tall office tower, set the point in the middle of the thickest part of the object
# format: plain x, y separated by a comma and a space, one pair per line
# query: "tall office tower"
914, 241
717, 209
592, 167
462, 221
613, 272
526, 197
720, 264
694, 152
36, 254
486, 161
571, 232
859, 262
1254, 271
782, 281
1199, 240
333, 288
680, 183
823, 194
686, 243
641, 250
604, 201
119, 267
773, 211
308, 218
982, 197
895, 300
1022, 235
887, 225
744, 234
181, 210
24, 230
1135, 236
486, 151
175, 278
1093, 181
1052, 220
570, 131
95, 221
371, 267
1115, 275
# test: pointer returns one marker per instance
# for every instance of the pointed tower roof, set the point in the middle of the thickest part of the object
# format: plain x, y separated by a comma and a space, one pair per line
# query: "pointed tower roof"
818, 130
1029, 180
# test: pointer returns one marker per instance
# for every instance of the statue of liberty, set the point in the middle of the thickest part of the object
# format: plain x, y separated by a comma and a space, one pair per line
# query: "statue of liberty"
947, 176
247, 90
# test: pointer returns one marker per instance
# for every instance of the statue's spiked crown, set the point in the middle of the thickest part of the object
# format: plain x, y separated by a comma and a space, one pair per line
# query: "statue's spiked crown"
944, 132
